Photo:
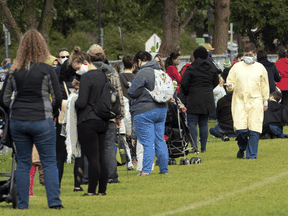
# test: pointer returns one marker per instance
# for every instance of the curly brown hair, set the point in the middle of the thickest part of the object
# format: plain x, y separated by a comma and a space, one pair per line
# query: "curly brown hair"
32, 48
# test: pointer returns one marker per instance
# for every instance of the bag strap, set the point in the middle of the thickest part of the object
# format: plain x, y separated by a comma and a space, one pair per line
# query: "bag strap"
65, 86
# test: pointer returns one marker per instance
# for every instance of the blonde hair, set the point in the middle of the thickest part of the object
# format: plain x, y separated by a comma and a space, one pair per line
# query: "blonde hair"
32, 48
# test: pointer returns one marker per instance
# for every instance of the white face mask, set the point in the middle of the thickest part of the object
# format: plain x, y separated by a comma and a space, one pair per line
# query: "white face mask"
83, 69
249, 59
63, 60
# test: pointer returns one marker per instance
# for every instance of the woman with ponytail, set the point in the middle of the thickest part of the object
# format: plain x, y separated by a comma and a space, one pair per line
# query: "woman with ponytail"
91, 128
171, 64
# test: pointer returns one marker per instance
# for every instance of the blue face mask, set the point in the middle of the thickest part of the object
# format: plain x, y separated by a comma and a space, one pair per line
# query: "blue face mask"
8, 65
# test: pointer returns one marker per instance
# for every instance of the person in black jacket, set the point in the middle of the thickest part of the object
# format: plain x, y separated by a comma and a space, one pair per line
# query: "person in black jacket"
198, 82
66, 76
91, 128
32, 115
271, 68
274, 118
224, 128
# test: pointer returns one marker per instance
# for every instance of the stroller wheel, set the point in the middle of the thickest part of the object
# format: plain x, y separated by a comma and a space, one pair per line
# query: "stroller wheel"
174, 162
186, 161
182, 161
14, 195
198, 160
169, 162
192, 160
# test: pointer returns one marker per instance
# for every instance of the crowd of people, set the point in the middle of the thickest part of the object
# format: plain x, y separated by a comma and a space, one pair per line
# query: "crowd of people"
40, 89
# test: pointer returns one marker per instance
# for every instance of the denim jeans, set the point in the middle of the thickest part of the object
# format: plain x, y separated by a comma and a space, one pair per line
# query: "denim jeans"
219, 132
43, 134
251, 144
202, 120
150, 128
110, 155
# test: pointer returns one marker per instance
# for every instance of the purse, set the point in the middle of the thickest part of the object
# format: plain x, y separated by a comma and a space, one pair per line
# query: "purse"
63, 105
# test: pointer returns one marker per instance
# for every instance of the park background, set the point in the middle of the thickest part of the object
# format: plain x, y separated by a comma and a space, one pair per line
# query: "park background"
66, 23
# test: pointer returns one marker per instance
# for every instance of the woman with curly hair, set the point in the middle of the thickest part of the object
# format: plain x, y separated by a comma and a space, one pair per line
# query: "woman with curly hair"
31, 115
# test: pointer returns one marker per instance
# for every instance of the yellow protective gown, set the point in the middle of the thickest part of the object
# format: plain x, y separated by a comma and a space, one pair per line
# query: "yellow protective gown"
250, 89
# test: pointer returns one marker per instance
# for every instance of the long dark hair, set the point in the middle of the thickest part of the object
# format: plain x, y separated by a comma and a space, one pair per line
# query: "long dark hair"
169, 60
143, 56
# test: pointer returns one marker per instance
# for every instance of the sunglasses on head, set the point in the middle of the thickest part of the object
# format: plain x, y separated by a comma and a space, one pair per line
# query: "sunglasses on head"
64, 56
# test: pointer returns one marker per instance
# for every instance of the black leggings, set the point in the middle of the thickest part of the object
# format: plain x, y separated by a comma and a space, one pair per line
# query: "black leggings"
91, 135
61, 154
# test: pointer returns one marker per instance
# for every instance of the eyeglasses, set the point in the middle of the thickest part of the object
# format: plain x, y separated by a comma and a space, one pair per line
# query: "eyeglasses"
64, 56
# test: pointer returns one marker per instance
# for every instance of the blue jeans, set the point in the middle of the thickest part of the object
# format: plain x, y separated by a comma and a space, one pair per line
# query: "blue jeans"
219, 132
202, 120
251, 144
110, 155
150, 127
43, 134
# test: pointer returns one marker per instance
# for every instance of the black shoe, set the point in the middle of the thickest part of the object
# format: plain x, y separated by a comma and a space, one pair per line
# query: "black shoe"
58, 207
94, 194
225, 138
130, 168
203, 151
110, 181
78, 189
240, 154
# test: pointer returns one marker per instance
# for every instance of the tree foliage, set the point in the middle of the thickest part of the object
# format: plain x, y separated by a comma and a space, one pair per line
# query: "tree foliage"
268, 18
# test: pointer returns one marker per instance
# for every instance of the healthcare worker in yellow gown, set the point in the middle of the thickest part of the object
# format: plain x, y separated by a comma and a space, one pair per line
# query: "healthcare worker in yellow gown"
249, 82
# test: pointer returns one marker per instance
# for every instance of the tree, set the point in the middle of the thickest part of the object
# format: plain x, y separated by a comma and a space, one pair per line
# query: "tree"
221, 24
262, 21
171, 26
30, 6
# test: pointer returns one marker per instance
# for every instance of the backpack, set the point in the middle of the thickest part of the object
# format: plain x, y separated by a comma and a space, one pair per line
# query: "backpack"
108, 106
163, 87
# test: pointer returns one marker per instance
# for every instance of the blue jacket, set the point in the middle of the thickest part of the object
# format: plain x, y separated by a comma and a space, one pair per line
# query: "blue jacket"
141, 100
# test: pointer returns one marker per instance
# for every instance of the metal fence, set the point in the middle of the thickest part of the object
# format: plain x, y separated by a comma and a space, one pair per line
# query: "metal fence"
219, 60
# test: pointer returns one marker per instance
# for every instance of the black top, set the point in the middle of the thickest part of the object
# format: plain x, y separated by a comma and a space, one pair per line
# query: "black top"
124, 79
33, 102
198, 82
91, 85
225, 73
275, 115
223, 112
273, 74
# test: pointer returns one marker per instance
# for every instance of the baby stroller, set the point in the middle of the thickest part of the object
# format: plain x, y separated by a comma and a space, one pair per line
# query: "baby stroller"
8, 191
177, 135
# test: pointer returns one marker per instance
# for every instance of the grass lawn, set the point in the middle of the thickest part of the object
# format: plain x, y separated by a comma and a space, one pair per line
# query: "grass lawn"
221, 185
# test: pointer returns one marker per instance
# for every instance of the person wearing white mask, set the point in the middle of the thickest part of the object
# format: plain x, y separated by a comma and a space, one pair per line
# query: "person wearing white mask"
249, 82
91, 127
63, 55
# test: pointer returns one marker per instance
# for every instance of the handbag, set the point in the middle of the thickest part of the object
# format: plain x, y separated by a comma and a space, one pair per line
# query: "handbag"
6, 139
63, 105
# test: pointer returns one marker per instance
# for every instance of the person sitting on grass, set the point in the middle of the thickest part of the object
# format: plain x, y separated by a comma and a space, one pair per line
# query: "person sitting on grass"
224, 128
274, 118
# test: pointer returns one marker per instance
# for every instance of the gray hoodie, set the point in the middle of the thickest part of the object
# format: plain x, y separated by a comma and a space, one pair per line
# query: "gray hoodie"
141, 100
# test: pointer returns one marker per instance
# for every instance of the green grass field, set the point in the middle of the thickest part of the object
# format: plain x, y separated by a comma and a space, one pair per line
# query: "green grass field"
221, 185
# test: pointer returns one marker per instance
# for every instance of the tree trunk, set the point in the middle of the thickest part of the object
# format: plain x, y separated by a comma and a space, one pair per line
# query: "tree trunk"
171, 31
31, 13
46, 18
10, 22
221, 17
